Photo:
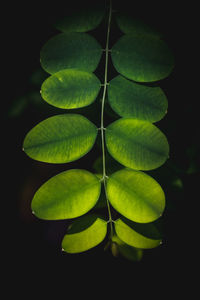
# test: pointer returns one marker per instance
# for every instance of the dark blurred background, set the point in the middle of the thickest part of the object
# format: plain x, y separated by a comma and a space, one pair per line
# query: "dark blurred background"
33, 244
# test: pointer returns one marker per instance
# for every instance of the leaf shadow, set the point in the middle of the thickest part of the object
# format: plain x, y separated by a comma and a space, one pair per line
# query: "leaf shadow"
150, 230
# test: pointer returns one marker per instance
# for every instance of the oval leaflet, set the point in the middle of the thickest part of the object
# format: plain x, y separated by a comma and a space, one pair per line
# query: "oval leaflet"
70, 50
70, 88
132, 100
60, 139
136, 195
67, 195
84, 234
142, 58
137, 144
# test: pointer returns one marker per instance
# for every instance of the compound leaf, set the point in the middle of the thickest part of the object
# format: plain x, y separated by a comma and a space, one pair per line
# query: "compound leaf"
136, 235
67, 195
70, 88
70, 50
60, 139
136, 144
134, 26
142, 58
81, 20
84, 234
136, 195
133, 100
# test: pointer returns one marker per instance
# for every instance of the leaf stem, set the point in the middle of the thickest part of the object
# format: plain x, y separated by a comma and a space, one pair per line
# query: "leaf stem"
102, 116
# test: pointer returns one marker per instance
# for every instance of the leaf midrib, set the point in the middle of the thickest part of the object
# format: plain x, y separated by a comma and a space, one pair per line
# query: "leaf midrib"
81, 189
125, 187
57, 141
124, 136
141, 101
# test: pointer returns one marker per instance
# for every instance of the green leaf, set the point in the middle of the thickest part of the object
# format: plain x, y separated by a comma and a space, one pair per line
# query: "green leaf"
142, 58
136, 195
71, 88
67, 195
81, 20
60, 139
136, 144
136, 235
70, 50
130, 99
129, 252
84, 234
137, 27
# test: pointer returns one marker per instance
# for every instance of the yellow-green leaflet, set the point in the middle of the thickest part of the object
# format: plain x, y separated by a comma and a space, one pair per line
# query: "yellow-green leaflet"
84, 234
134, 238
137, 144
70, 88
60, 139
136, 195
67, 195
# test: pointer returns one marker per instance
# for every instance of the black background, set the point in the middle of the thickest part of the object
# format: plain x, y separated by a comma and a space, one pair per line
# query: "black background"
32, 247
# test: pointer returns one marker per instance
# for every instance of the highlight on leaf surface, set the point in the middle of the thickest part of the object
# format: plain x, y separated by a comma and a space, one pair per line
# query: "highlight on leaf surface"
136, 144
82, 20
136, 195
60, 139
143, 236
85, 233
70, 88
70, 50
142, 58
129, 99
67, 195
